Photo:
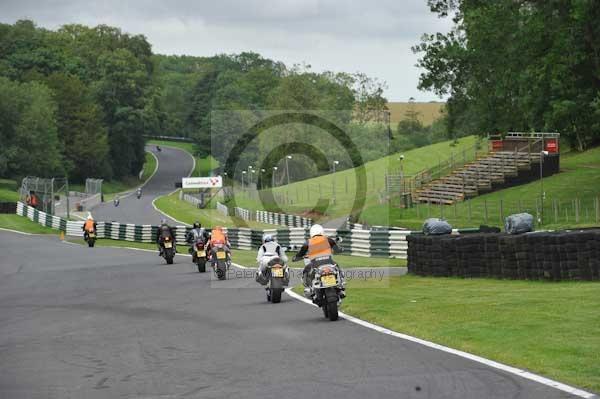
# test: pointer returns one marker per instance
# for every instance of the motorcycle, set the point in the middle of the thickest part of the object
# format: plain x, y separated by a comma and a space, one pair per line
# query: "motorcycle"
278, 277
199, 255
219, 260
326, 289
168, 251
138, 194
90, 237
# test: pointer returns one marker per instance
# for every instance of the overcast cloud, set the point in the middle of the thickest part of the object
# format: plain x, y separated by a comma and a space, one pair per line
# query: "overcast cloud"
374, 37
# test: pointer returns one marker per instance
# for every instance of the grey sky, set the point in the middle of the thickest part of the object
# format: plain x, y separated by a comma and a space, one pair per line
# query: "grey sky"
368, 36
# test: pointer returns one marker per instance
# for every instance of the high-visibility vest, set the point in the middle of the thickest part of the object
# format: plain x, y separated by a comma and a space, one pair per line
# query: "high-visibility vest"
34, 200
217, 236
318, 246
89, 225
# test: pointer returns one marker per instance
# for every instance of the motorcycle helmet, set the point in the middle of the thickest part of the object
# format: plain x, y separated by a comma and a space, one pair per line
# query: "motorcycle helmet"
197, 225
267, 238
316, 230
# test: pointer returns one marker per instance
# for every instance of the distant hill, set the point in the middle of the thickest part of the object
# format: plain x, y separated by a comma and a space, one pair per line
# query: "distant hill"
429, 111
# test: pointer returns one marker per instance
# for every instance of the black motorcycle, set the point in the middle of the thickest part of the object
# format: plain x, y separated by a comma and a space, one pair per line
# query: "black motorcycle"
168, 250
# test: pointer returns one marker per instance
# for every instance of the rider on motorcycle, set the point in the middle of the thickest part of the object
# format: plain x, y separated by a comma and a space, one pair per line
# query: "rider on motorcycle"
138, 192
89, 226
319, 249
267, 252
218, 236
162, 232
197, 232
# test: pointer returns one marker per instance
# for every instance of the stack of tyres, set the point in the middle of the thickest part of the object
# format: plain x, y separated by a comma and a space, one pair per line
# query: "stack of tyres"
508, 250
522, 256
493, 259
449, 255
437, 260
593, 246
412, 253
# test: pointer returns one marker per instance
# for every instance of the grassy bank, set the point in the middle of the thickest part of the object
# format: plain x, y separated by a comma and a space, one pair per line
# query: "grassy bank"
188, 213
549, 328
579, 180
302, 196
21, 223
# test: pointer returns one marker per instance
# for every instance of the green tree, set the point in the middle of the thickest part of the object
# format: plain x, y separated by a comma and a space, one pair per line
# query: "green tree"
517, 65
80, 128
28, 132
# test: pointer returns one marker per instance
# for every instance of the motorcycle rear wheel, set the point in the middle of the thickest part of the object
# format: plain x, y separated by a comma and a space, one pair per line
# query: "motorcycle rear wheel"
276, 295
201, 266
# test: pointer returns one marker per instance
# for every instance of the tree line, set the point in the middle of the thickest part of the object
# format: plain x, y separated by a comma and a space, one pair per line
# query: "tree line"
528, 65
78, 101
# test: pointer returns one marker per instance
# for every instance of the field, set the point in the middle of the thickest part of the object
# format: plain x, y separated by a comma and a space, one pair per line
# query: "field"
301, 196
571, 199
549, 328
429, 112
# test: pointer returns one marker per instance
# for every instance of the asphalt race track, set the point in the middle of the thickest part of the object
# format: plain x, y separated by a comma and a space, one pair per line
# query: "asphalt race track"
173, 164
78, 322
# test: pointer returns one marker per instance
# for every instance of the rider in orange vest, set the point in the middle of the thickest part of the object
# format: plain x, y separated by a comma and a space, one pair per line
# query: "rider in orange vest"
319, 249
218, 236
89, 226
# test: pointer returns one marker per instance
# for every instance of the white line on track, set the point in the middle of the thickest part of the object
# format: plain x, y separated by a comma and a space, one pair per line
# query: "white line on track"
18, 232
509, 369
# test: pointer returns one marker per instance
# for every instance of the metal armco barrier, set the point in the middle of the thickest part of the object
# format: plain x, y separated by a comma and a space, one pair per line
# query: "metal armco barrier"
283, 219
378, 243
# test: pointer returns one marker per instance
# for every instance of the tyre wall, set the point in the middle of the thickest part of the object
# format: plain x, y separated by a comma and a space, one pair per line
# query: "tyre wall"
566, 255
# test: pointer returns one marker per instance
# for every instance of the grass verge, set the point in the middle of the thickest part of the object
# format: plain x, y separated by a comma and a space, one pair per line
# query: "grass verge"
21, 223
8, 191
549, 328
188, 213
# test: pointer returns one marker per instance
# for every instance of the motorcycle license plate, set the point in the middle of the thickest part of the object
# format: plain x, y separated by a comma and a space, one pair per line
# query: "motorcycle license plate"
92, 235
200, 254
328, 280
168, 245
277, 272
221, 255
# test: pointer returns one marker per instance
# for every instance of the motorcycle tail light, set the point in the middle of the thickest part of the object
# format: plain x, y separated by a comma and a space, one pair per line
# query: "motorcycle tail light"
326, 270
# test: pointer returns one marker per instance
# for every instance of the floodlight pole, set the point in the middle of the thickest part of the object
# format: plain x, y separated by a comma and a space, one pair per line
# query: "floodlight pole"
287, 168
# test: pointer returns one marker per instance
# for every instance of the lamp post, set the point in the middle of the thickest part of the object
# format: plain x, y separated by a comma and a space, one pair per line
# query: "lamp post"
542, 154
249, 175
273, 176
253, 172
262, 183
287, 168
243, 174
333, 177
